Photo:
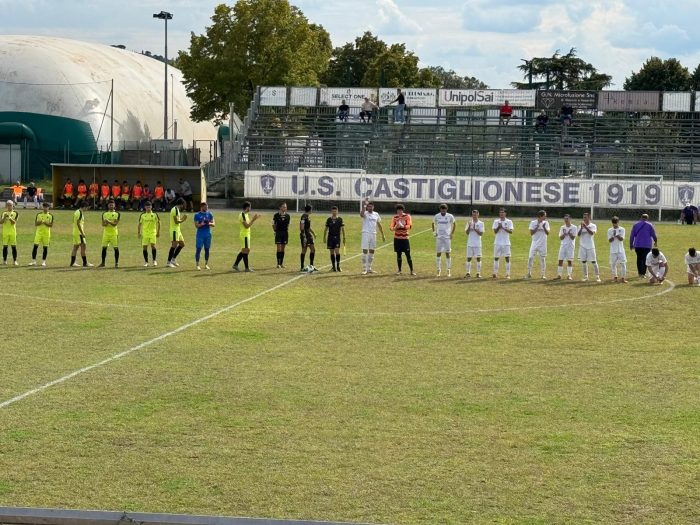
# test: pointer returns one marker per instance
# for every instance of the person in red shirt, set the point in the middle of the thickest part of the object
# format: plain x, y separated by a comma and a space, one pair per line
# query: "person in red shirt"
67, 194
136, 193
82, 193
104, 193
505, 112
158, 197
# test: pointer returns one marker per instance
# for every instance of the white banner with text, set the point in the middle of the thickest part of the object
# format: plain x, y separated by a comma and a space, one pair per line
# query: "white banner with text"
598, 192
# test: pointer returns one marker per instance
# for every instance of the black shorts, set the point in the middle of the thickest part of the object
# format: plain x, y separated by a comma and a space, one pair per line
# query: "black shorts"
281, 237
333, 242
402, 246
188, 198
306, 238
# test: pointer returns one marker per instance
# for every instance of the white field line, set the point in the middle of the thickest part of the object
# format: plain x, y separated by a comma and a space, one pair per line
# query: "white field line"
161, 337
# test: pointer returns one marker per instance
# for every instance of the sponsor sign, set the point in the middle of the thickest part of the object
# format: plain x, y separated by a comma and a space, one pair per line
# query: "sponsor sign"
628, 100
354, 97
302, 96
676, 101
524, 98
506, 191
415, 97
273, 96
554, 100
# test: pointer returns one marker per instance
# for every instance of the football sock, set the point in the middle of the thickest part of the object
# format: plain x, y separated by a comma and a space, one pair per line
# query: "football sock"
245, 260
206, 253
72, 260
569, 269
364, 261
398, 260
337, 260
409, 260
116, 256
560, 269
478, 266
281, 257
448, 263
84, 257
529, 265
44, 253
370, 259
4, 253
623, 270
585, 270
145, 254
302, 257
170, 254
104, 254
469, 266
596, 268
496, 265
438, 263
239, 258
543, 262
312, 256
507, 268
333, 260
197, 252
34, 250
177, 252
14, 253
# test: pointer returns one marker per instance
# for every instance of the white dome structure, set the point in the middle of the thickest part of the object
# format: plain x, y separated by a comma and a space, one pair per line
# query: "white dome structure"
72, 80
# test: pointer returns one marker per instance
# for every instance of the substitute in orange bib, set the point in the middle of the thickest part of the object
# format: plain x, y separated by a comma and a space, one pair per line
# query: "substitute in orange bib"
104, 193
126, 195
82, 194
67, 194
136, 193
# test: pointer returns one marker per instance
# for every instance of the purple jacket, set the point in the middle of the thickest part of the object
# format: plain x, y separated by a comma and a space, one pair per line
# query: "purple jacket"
643, 235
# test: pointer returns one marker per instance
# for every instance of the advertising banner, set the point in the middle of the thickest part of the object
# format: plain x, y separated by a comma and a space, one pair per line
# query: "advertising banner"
628, 100
676, 101
415, 97
302, 96
273, 96
554, 100
354, 97
524, 98
506, 191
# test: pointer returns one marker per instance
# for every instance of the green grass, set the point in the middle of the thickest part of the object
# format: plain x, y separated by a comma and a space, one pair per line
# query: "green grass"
341, 397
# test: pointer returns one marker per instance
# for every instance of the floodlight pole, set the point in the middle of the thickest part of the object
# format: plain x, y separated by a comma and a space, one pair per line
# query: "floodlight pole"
165, 16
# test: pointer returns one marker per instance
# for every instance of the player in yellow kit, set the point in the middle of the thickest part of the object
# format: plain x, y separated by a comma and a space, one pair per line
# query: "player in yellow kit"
8, 219
43, 223
176, 238
79, 240
149, 231
110, 233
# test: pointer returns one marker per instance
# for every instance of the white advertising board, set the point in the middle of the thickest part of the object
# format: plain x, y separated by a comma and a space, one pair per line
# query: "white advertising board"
415, 97
273, 96
354, 97
523, 98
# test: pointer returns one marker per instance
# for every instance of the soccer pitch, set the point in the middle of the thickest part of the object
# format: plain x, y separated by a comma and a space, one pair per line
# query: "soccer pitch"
379, 398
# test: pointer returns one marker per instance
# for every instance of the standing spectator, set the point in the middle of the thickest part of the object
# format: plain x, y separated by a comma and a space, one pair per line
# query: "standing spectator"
505, 112
541, 122
343, 111
186, 193
17, 191
169, 198
31, 196
689, 214
399, 114
616, 238
642, 239
692, 261
366, 110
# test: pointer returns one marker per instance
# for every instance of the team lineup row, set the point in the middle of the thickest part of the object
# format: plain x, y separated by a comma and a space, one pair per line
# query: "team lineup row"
643, 240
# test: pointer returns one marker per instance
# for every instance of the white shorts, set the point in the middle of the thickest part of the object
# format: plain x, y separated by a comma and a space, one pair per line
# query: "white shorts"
566, 253
473, 251
443, 245
586, 254
369, 241
538, 249
659, 270
617, 258
501, 250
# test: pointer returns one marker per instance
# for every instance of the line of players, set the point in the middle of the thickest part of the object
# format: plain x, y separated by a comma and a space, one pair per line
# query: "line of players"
443, 227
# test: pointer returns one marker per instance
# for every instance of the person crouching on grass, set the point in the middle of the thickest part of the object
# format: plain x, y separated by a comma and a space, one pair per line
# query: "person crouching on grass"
657, 266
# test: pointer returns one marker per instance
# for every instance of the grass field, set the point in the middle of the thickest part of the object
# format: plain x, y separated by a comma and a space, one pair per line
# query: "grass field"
378, 399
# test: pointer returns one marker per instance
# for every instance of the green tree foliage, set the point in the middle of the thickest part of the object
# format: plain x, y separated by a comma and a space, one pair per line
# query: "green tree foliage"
695, 79
451, 80
255, 42
562, 72
660, 75
348, 64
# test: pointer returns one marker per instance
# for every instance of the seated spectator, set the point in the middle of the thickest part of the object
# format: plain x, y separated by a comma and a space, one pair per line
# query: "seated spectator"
505, 112
566, 115
541, 122
39, 197
158, 197
343, 112
367, 110
82, 194
30, 196
169, 198
17, 190
146, 197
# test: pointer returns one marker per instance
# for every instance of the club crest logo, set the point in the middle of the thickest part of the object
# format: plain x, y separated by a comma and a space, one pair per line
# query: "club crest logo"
547, 100
686, 194
267, 183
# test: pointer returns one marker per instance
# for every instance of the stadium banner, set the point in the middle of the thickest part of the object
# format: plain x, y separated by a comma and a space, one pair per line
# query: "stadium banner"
507, 191
629, 100
302, 96
273, 96
415, 97
524, 98
352, 96
555, 100
679, 101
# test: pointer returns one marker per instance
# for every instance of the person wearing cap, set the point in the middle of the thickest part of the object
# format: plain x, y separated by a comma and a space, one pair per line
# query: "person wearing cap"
148, 232
642, 239
8, 219
42, 237
204, 222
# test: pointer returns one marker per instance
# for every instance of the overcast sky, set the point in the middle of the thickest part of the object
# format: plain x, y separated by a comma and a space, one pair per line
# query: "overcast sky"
481, 38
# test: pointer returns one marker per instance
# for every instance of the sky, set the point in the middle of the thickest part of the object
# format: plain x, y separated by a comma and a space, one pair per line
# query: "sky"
482, 38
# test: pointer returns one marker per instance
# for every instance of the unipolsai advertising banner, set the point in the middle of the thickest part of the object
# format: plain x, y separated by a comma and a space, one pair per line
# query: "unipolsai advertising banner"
524, 98
505, 191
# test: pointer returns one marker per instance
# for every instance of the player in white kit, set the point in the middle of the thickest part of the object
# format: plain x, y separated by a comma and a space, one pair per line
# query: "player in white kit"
657, 266
443, 230
371, 221
586, 249
503, 229
539, 230
692, 266
474, 230
567, 235
616, 238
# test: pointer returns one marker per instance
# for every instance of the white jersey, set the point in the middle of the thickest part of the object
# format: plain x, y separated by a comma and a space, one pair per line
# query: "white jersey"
502, 237
617, 245
654, 262
369, 222
443, 225
692, 260
587, 238
473, 238
568, 242
539, 238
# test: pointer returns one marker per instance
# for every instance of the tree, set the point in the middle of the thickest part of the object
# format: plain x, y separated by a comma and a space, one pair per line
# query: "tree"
695, 79
348, 64
451, 80
395, 67
659, 75
562, 72
255, 42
